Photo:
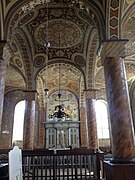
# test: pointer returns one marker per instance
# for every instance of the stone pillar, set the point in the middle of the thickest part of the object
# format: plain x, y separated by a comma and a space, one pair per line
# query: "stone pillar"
91, 120
121, 125
83, 128
41, 142
2, 79
29, 120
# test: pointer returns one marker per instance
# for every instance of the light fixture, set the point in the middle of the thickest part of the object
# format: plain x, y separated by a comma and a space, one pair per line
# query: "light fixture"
5, 132
46, 95
46, 45
59, 114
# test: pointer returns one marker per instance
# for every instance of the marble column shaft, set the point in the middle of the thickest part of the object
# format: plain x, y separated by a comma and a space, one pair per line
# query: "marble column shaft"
3, 66
123, 141
41, 142
83, 127
92, 124
29, 119
119, 107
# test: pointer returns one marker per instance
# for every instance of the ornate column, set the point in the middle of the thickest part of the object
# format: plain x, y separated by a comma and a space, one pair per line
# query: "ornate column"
2, 79
29, 120
91, 120
121, 125
41, 142
83, 128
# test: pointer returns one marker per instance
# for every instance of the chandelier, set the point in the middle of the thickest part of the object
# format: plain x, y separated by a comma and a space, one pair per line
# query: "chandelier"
59, 114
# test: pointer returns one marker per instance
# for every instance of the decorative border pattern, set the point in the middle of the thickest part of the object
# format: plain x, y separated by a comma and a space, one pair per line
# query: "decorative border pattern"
91, 60
114, 13
26, 58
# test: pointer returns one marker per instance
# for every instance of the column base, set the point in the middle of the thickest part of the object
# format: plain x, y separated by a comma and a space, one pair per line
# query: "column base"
122, 160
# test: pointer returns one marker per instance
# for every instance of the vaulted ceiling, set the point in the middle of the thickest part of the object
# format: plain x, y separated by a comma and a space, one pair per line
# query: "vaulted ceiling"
74, 31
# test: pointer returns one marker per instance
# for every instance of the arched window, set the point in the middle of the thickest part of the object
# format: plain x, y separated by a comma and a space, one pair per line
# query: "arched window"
18, 122
102, 119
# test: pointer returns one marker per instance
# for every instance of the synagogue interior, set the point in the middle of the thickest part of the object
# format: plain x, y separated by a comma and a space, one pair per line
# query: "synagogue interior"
67, 88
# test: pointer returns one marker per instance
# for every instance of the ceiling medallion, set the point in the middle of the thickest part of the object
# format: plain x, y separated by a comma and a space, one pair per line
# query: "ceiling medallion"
70, 33
79, 60
39, 61
18, 63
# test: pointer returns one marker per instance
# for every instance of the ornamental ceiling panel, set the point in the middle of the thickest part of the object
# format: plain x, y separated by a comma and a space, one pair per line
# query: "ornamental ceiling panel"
61, 27
14, 79
67, 26
68, 32
130, 70
129, 28
128, 21
63, 75
99, 78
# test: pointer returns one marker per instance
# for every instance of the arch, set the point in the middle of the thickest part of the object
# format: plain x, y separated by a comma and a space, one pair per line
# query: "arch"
43, 81
98, 15
16, 9
91, 58
128, 22
14, 78
25, 50
61, 61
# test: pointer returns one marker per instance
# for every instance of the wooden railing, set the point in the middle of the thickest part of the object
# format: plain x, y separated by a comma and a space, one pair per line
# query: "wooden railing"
119, 171
60, 165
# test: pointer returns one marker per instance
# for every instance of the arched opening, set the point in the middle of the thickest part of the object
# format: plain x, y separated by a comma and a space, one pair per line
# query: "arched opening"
17, 138
62, 124
102, 123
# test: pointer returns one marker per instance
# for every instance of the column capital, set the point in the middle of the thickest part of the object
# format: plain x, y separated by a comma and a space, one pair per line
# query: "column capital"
2, 44
90, 93
30, 94
113, 48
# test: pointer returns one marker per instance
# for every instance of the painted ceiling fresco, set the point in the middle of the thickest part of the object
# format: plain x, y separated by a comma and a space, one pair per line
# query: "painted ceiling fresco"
59, 40
14, 79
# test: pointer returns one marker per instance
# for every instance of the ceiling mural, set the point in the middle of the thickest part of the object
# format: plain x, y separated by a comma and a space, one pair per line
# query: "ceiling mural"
128, 27
99, 79
128, 24
52, 40
130, 70
61, 34
92, 60
65, 74
63, 30
14, 79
